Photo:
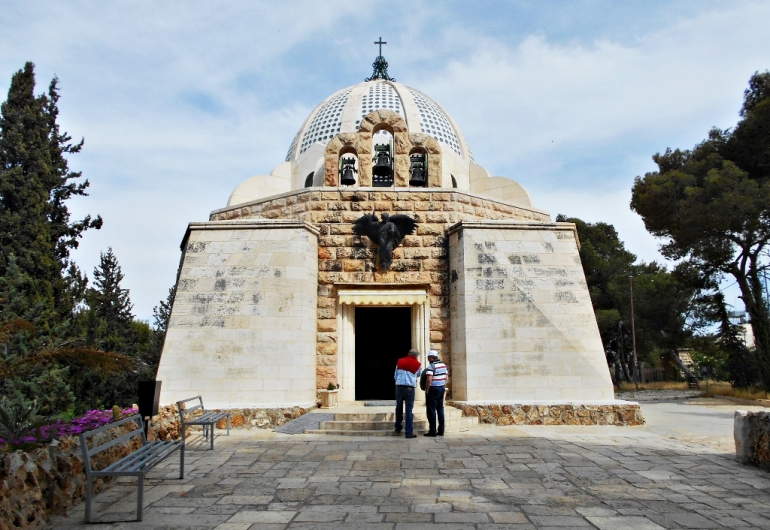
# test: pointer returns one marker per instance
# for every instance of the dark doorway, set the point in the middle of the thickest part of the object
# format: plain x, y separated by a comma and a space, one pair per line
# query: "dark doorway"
383, 335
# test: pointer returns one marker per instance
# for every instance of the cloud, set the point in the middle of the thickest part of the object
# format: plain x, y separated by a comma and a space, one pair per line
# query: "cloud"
535, 106
179, 102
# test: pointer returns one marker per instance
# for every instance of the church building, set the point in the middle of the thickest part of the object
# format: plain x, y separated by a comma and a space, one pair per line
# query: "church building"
277, 297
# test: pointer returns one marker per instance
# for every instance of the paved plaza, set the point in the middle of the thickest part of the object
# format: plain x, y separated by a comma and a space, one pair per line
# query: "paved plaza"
678, 471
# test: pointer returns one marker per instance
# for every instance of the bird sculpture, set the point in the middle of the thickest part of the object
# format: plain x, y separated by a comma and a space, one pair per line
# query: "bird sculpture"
387, 234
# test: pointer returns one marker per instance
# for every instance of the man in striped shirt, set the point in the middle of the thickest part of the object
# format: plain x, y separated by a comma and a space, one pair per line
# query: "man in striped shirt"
407, 372
435, 386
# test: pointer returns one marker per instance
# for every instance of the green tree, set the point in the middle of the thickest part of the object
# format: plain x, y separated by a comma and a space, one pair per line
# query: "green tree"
161, 315
711, 205
109, 313
110, 326
665, 302
35, 185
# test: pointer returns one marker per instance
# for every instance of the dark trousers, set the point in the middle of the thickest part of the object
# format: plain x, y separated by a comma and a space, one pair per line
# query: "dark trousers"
404, 397
434, 406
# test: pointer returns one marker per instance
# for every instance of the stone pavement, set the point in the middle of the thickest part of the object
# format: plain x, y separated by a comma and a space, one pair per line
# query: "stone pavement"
678, 471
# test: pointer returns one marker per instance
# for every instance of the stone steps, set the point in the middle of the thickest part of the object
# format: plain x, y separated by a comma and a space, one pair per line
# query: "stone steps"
365, 423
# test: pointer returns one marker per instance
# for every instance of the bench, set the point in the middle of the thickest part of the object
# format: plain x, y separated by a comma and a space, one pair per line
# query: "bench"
207, 419
135, 464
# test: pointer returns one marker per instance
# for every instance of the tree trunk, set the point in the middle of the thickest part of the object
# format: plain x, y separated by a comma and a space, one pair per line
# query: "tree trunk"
683, 367
621, 354
751, 294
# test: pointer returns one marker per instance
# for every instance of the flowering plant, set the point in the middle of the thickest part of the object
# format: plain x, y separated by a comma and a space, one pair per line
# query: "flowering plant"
37, 434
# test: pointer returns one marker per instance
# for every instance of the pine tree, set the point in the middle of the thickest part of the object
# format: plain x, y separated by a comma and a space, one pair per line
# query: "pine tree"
109, 314
161, 315
35, 184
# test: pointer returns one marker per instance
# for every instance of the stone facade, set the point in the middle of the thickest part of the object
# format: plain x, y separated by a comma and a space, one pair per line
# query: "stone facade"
345, 259
360, 144
625, 414
752, 438
523, 327
242, 328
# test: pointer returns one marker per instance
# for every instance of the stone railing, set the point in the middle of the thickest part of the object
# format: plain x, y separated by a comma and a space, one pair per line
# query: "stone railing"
751, 431
622, 414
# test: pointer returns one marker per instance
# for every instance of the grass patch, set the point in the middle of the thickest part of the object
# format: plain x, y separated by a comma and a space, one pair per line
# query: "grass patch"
721, 388
659, 385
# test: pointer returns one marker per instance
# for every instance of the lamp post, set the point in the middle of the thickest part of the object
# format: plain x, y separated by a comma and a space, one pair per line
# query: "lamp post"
633, 332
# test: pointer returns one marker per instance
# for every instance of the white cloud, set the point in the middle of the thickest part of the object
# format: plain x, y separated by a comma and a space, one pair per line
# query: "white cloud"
179, 101
540, 103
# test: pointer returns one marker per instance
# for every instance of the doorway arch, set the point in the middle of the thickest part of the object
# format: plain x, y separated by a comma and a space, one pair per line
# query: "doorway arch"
349, 299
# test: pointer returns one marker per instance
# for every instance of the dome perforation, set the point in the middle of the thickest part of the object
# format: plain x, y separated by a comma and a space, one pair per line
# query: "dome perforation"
353, 103
327, 122
434, 122
380, 95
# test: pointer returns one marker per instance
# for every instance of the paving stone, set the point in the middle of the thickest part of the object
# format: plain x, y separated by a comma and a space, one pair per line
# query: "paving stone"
509, 517
485, 479
624, 523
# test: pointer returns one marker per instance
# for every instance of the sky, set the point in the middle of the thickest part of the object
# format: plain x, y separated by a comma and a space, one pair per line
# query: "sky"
179, 102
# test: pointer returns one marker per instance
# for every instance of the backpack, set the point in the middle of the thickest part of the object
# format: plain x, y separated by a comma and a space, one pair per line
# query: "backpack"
423, 379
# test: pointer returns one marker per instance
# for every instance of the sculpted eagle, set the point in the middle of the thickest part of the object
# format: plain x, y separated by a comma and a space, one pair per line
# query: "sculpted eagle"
387, 234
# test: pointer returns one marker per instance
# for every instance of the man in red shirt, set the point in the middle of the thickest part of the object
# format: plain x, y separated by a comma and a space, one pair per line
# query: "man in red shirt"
407, 373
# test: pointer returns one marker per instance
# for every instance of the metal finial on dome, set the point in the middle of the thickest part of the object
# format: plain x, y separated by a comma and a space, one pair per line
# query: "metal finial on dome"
380, 66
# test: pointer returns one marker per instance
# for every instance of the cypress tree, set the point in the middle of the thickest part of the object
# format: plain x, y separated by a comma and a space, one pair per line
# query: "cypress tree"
36, 232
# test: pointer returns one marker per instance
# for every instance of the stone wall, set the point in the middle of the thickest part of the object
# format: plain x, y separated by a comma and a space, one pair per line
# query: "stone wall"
51, 480
242, 331
752, 438
344, 259
48, 481
627, 414
523, 327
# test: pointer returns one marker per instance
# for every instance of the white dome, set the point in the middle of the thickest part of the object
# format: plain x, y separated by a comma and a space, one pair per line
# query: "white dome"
343, 111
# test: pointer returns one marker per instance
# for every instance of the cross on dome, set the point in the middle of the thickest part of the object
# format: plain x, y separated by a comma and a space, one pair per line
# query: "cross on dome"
380, 42
380, 66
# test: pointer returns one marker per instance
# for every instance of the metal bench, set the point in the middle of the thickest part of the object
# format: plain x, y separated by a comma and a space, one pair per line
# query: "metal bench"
135, 464
206, 419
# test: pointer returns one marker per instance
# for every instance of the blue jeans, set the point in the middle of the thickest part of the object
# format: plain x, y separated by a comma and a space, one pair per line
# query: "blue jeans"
434, 406
404, 396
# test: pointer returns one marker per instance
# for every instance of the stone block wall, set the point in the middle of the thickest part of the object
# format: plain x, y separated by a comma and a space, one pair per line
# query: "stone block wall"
523, 327
343, 258
752, 438
50, 480
242, 331
624, 414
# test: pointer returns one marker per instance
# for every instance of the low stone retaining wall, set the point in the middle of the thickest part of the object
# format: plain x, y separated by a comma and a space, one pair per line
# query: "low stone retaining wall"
751, 431
166, 425
50, 480
556, 414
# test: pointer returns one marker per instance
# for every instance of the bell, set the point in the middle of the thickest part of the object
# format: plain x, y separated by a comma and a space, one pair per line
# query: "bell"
418, 176
417, 170
383, 167
347, 177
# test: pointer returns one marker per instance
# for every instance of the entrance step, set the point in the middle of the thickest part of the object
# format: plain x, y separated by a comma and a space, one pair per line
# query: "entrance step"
361, 422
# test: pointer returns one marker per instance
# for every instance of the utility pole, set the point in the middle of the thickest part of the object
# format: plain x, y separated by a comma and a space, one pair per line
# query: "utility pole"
633, 333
